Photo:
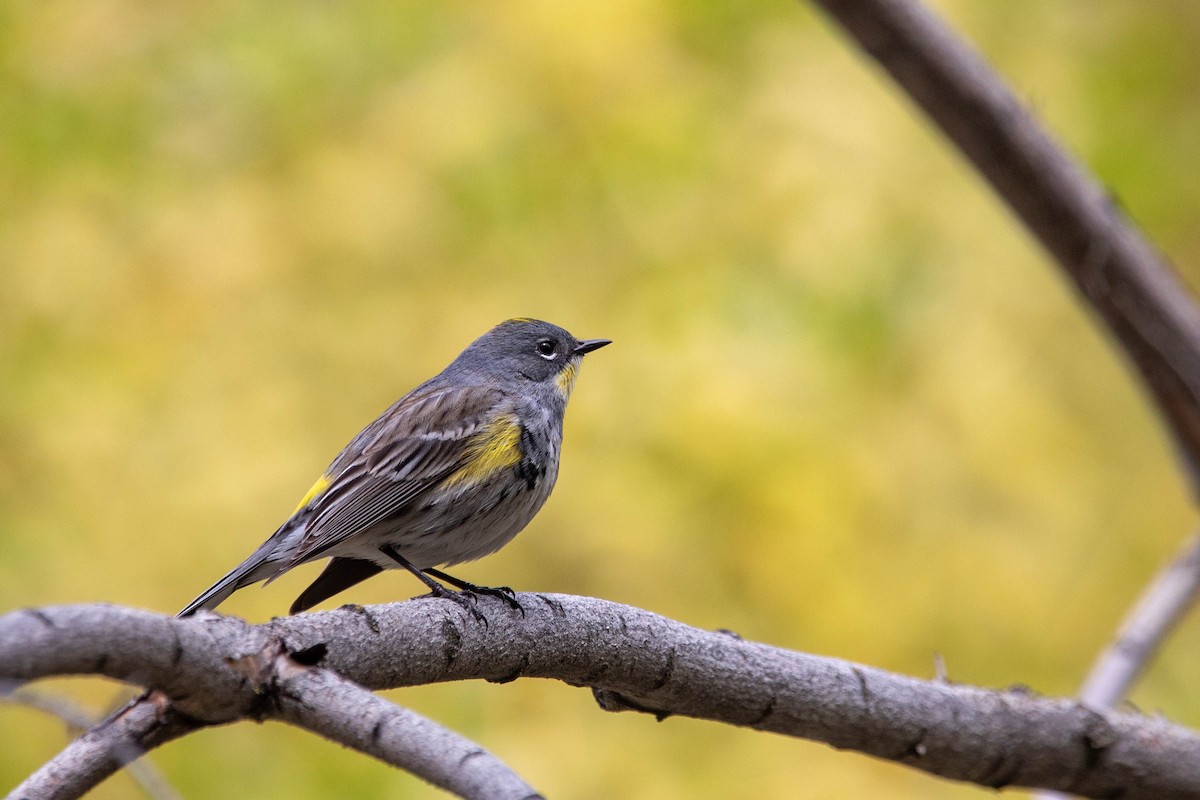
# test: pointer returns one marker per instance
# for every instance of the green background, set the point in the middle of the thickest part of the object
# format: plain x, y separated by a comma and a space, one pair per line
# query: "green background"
850, 408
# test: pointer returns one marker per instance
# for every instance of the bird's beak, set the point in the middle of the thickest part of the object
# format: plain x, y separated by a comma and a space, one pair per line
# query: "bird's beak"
588, 345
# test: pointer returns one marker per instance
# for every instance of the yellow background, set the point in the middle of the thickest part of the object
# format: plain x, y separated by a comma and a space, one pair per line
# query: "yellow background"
849, 409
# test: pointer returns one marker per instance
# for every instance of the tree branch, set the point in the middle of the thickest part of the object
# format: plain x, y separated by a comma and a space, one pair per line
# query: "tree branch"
105, 749
637, 660
78, 720
327, 704
191, 688
1161, 605
1122, 277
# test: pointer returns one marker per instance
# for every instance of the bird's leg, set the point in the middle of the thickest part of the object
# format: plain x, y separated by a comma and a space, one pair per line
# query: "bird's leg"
435, 588
503, 592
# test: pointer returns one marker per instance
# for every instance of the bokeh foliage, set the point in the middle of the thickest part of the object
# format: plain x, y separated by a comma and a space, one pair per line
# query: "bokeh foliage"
849, 410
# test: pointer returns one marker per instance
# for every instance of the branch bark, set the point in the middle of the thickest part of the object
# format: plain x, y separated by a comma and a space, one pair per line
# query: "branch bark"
217, 674
1160, 607
106, 748
1157, 611
77, 721
216, 669
327, 704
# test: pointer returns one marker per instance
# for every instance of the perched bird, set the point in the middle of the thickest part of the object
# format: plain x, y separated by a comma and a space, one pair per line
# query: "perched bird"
450, 473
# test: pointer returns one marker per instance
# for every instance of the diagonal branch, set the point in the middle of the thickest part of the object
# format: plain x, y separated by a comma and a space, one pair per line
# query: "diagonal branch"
106, 748
637, 660
1122, 277
331, 706
78, 720
1161, 605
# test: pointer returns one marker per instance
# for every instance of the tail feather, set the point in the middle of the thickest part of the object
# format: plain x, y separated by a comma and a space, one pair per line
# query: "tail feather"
339, 574
254, 569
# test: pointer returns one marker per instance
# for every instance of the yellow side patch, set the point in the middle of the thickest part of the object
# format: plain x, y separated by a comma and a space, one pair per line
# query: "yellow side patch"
317, 488
565, 380
496, 447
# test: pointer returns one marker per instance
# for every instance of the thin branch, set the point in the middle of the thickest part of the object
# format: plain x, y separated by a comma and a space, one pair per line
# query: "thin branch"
1124, 279
77, 719
637, 660
72, 714
1160, 607
331, 706
104, 749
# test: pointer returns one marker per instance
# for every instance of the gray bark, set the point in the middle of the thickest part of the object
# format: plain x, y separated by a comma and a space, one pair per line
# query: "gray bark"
212, 670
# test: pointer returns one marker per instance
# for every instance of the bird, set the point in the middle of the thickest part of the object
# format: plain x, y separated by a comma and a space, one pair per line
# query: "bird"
449, 473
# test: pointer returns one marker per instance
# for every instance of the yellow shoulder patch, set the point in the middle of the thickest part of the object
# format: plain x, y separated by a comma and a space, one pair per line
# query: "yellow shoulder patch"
317, 489
496, 447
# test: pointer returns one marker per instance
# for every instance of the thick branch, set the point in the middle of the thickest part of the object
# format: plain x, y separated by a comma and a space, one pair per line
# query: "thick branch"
644, 661
259, 680
1141, 300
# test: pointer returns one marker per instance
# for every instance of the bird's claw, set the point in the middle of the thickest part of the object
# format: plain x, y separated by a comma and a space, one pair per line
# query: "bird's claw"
464, 599
505, 593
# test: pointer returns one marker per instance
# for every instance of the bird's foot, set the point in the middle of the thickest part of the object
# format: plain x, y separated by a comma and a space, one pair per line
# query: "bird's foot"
503, 592
465, 599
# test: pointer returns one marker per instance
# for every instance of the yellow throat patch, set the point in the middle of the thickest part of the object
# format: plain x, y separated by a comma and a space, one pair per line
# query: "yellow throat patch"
565, 380
496, 447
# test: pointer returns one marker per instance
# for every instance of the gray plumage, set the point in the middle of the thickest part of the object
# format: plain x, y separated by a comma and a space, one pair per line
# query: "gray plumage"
449, 473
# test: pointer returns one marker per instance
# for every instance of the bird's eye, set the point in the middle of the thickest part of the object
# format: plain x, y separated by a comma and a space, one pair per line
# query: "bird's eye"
546, 349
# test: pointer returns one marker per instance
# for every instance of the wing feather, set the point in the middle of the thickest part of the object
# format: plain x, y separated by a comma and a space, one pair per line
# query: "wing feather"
415, 444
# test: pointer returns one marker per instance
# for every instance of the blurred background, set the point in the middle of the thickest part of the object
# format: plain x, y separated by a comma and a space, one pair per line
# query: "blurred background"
850, 408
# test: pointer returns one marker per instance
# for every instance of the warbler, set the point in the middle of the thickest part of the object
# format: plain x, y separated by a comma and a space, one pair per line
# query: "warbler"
451, 472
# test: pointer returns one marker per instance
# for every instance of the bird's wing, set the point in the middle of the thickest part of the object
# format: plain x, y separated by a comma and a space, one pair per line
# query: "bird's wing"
423, 439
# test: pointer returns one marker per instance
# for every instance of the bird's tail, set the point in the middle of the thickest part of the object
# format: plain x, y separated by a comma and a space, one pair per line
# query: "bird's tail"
258, 567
